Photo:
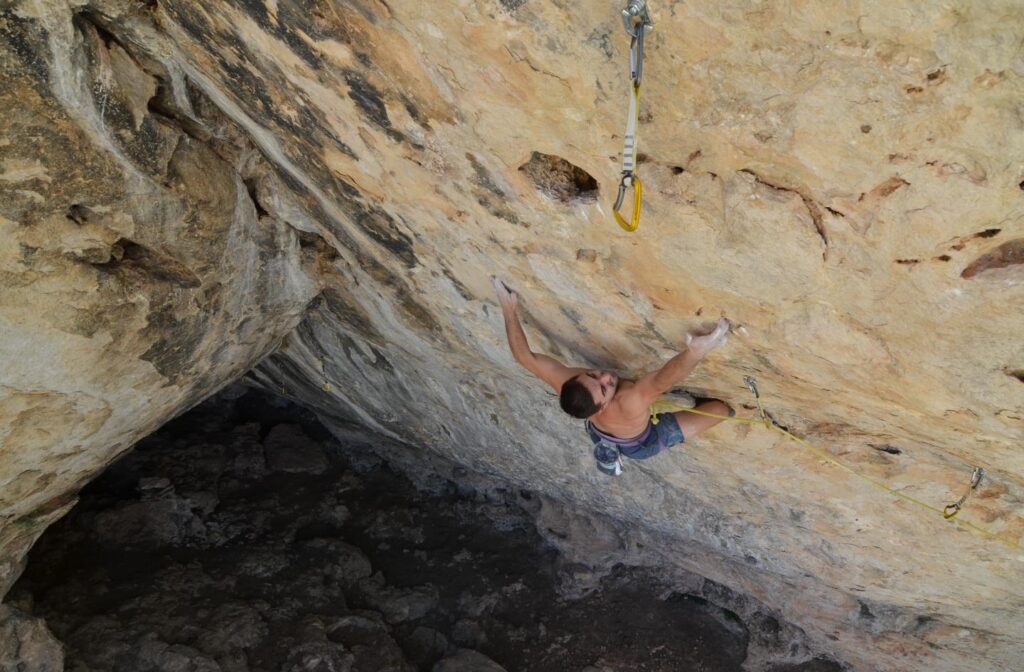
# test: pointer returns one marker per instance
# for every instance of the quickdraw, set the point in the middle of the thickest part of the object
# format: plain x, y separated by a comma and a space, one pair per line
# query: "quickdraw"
637, 23
949, 513
751, 384
954, 508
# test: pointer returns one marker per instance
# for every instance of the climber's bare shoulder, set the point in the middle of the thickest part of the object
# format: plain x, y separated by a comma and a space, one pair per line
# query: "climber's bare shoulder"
628, 395
629, 403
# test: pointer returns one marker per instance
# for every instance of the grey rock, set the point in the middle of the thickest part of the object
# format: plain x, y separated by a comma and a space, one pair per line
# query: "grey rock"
398, 604
336, 515
343, 562
231, 627
288, 449
249, 464
154, 487
318, 656
361, 628
263, 564
468, 633
150, 524
466, 660
26, 645
425, 646
155, 654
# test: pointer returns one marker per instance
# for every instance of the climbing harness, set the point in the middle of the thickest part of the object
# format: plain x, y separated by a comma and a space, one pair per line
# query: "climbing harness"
672, 403
950, 511
954, 508
637, 23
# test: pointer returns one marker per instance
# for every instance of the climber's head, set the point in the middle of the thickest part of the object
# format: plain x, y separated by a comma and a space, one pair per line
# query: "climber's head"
588, 393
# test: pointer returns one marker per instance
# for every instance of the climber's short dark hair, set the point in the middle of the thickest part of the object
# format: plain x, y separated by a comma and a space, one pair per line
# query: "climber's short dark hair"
576, 400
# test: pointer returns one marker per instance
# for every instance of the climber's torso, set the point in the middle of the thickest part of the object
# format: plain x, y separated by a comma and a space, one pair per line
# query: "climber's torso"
627, 415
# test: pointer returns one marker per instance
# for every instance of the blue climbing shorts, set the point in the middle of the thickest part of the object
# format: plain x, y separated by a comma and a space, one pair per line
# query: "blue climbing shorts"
648, 443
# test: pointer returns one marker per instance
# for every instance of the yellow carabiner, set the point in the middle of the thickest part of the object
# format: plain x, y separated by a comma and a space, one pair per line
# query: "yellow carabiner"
638, 196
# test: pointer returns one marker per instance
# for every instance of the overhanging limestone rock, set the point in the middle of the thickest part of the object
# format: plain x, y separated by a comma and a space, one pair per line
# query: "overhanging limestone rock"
138, 273
180, 179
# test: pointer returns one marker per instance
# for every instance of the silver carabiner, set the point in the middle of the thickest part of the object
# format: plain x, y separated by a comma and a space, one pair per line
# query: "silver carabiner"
635, 14
637, 22
625, 183
636, 57
751, 384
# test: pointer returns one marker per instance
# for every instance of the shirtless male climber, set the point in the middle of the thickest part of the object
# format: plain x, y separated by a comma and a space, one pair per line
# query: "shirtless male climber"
618, 411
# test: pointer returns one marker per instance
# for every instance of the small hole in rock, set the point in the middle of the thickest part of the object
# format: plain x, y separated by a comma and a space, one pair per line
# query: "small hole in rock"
865, 128
886, 448
1006, 255
678, 170
1021, 185
943, 257
250, 186
1017, 373
559, 179
987, 233
79, 214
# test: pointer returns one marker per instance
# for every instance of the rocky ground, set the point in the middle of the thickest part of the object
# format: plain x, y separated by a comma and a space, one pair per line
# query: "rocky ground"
243, 537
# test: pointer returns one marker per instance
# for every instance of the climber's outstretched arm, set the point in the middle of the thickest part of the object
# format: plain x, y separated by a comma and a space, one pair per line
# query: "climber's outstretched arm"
656, 383
548, 369
652, 385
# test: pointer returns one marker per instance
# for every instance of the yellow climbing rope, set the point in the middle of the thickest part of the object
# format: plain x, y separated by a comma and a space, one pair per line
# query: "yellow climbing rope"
949, 513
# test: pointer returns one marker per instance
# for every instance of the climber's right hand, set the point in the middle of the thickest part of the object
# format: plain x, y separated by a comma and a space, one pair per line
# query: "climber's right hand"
507, 297
702, 345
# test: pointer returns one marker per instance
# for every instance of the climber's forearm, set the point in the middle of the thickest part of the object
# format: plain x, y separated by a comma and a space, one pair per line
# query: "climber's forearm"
517, 338
548, 369
671, 374
678, 368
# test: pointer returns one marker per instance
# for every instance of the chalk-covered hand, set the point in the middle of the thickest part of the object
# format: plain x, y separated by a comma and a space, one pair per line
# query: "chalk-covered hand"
702, 345
506, 297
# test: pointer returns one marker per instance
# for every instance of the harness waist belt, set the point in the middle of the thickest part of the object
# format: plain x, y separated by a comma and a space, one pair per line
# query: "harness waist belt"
625, 443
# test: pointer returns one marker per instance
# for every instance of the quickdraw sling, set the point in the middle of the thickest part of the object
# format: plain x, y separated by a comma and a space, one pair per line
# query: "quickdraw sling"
637, 23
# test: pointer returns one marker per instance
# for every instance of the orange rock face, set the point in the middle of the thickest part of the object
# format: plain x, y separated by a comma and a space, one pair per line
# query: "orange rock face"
185, 187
